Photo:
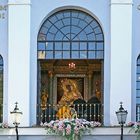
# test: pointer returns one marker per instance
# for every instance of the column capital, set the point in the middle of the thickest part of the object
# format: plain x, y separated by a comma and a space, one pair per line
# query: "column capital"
121, 2
19, 2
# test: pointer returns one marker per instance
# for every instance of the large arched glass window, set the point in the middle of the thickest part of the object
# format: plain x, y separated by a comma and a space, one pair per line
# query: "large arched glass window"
70, 34
69, 37
1, 88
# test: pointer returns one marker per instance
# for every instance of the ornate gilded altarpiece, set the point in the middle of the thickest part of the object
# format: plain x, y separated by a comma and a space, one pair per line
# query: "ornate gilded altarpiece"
87, 76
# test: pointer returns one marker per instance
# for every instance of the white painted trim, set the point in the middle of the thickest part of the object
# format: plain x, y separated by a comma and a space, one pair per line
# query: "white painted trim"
19, 2
37, 131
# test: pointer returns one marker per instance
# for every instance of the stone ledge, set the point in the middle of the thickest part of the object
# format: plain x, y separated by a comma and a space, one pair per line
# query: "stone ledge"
40, 131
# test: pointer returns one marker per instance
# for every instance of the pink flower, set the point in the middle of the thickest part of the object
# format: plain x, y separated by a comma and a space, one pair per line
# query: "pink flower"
76, 130
68, 129
54, 127
131, 124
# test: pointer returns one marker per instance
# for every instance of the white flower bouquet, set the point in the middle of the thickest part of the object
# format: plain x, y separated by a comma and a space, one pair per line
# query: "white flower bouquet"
70, 129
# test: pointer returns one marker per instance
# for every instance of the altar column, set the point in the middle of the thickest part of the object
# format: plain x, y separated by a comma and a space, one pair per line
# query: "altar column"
50, 75
120, 61
19, 58
90, 91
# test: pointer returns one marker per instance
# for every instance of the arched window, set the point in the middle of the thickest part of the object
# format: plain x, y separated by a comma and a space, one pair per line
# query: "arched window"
70, 34
68, 37
1, 88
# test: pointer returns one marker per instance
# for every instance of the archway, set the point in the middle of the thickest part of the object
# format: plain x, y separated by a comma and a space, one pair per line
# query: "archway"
70, 48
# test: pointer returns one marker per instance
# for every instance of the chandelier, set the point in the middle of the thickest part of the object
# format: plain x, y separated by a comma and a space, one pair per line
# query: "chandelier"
71, 66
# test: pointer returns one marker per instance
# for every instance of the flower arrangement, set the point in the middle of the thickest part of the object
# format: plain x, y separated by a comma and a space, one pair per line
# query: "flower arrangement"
70, 129
136, 128
4, 125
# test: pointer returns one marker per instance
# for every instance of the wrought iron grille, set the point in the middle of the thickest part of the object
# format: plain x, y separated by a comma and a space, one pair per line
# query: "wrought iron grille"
90, 112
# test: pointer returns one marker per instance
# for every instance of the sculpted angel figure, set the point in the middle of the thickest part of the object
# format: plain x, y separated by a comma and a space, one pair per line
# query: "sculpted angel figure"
44, 97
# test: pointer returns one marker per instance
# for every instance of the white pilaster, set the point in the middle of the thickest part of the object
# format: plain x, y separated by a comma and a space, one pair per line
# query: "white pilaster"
121, 53
19, 58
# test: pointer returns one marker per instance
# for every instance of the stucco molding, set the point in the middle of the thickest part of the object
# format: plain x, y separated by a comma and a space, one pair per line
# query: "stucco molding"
121, 2
19, 2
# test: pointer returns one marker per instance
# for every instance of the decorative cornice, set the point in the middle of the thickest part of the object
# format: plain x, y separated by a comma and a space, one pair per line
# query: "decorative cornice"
121, 2
19, 2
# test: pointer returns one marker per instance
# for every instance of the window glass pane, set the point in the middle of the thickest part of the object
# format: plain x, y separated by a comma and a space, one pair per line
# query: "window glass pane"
1, 61
47, 24
1, 68
138, 93
59, 24
91, 54
91, 46
66, 54
82, 36
59, 15
99, 37
75, 46
97, 30
75, 14
66, 30
44, 30
41, 37
93, 24
138, 100
66, 46
49, 54
59, 36
88, 19
138, 69
83, 54
41, 54
83, 46
58, 46
82, 24
138, 85
66, 21
53, 30
66, 14
99, 46
75, 54
99, 54
75, 21
50, 36
75, 37
88, 30
58, 54
53, 19
138, 77
75, 30
41, 46
49, 45
138, 60
91, 36
82, 15
68, 36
